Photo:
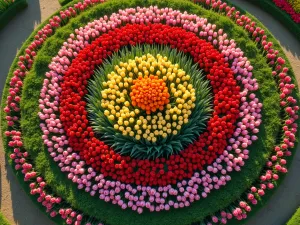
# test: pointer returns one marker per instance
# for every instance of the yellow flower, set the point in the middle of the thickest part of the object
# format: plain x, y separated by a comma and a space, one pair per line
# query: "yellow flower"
116, 104
137, 137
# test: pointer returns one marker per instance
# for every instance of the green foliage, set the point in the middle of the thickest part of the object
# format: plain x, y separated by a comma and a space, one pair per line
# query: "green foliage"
3, 220
64, 2
295, 219
9, 9
113, 214
5, 4
163, 147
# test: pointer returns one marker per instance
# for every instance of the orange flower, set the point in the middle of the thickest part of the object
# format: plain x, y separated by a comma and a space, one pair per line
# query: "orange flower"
149, 93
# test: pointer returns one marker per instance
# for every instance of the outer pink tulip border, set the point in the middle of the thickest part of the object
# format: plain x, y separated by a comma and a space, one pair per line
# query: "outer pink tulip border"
276, 164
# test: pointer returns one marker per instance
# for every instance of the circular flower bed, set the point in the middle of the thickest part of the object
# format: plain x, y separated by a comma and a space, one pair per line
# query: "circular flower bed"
147, 108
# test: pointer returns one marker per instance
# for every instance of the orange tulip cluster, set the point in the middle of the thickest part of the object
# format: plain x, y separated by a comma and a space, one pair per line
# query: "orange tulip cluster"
149, 93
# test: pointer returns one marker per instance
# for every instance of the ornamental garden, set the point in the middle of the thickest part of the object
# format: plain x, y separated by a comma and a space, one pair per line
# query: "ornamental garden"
150, 112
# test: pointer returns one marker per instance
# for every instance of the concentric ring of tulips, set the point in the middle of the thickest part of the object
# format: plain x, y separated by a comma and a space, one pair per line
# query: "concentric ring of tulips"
216, 166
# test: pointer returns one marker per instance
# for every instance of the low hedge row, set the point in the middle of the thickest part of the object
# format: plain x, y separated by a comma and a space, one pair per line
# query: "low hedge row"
3, 220
295, 219
280, 15
64, 2
12, 11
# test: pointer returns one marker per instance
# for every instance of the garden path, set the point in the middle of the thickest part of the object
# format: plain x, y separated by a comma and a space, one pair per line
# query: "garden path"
18, 208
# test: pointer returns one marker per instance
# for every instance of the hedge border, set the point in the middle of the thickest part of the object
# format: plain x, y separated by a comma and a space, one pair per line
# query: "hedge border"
42, 72
3, 220
295, 219
11, 12
269, 7
64, 2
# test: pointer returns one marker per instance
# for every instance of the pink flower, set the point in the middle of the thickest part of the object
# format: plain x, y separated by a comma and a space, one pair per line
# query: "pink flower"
215, 219
261, 192
250, 196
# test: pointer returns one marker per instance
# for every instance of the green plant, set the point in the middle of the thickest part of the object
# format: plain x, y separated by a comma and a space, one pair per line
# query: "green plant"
5, 4
3, 220
64, 2
295, 219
